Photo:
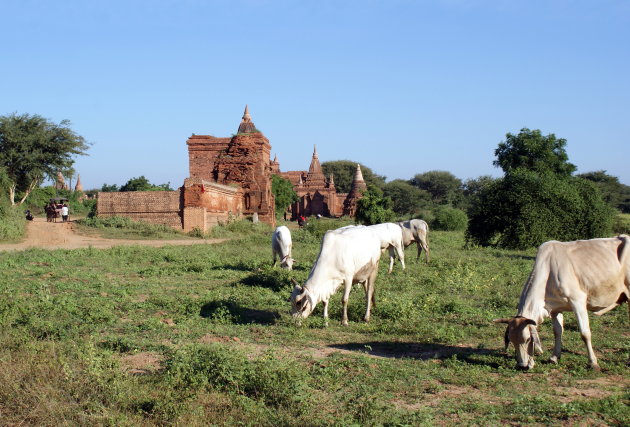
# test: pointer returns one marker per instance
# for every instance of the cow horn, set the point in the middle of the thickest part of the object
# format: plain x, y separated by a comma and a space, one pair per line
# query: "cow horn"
297, 285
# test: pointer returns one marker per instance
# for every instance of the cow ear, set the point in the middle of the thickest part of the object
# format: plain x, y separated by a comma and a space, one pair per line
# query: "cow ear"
530, 322
502, 320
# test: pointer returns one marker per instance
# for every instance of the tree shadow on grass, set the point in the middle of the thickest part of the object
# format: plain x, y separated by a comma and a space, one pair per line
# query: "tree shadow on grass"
420, 351
228, 311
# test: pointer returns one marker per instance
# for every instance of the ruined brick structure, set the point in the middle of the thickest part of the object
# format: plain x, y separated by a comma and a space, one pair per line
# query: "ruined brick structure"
242, 160
231, 177
318, 195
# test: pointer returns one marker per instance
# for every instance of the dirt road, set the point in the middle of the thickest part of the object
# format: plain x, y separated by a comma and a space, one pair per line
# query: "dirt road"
60, 235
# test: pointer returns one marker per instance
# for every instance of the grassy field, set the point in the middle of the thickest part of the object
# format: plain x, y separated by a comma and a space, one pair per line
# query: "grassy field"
200, 335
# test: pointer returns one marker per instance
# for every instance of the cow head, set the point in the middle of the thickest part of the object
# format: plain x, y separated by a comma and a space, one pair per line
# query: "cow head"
287, 263
522, 333
301, 301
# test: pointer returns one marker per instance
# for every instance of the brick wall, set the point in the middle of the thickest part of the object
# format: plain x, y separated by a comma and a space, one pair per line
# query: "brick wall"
207, 204
156, 207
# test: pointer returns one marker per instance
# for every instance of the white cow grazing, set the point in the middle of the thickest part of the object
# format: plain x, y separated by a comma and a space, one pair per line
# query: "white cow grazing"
416, 230
281, 246
585, 275
390, 236
344, 258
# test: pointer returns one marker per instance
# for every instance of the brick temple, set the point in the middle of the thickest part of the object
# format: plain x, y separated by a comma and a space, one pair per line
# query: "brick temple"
317, 193
231, 177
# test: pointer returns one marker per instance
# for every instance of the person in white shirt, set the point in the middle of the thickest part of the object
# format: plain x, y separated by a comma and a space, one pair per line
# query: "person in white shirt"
64, 213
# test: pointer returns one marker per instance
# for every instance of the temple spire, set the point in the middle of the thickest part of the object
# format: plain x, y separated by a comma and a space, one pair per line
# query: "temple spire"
247, 126
78, 186
358, 183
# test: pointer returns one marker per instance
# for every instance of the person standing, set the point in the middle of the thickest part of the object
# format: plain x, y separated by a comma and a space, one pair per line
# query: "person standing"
64, 212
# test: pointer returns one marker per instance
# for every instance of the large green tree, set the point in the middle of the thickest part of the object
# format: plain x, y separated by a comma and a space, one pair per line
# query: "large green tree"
406, 199
283, 191
373, 207
527, 208
444, 187
531, 150
538, 199
142, 184
613, 192
33, 148
343, 173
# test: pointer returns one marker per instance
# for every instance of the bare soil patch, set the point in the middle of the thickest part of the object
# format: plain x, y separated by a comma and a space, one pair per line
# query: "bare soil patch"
63, 235
141, 363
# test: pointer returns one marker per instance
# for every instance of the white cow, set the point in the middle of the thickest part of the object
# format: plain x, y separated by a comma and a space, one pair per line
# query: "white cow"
581, 276
390, 236
416, 230
281, 246
344, 258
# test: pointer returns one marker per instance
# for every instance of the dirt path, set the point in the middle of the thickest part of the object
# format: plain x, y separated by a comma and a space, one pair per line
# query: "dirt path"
60, 235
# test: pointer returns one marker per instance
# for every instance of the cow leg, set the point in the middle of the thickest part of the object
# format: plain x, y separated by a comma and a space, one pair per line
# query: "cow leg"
558, 327
325, 302
391, 259
400, 251
579, 308
419, 246
369, 293
344, 300
425, 245
275, 260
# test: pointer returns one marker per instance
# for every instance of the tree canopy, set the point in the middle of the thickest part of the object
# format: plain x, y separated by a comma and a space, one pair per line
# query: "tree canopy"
343, 173
527, 208
142, 184
443, 186
406, 199
614, 193
33, 148
531, 150
373, 208
283, 191
537, 200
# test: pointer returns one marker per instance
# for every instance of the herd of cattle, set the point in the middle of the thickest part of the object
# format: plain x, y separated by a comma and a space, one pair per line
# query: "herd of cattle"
580, 276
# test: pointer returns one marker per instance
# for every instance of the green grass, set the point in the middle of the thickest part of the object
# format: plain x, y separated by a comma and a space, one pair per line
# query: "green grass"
126, 228
212, 326
12, 222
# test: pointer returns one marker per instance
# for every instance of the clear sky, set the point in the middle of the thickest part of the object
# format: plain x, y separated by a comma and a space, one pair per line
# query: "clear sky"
403, 87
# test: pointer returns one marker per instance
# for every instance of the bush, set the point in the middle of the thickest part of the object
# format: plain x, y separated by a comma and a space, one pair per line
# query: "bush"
527, 208
621, 224
449, 219
373, 208
12, 222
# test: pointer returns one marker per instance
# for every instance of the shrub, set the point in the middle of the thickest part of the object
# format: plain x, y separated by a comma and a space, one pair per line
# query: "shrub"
11, 221
449, 219
373, 208
621, 224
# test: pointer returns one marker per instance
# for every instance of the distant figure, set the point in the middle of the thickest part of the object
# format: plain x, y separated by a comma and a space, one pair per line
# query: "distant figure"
255, 218
301, 221
64, 212
51, 212
29, 216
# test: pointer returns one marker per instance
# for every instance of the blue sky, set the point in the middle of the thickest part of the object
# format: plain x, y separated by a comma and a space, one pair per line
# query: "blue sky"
403, 87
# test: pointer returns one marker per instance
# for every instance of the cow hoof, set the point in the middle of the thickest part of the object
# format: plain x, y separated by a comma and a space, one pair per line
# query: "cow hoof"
344, 323
554, 360
596, 368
